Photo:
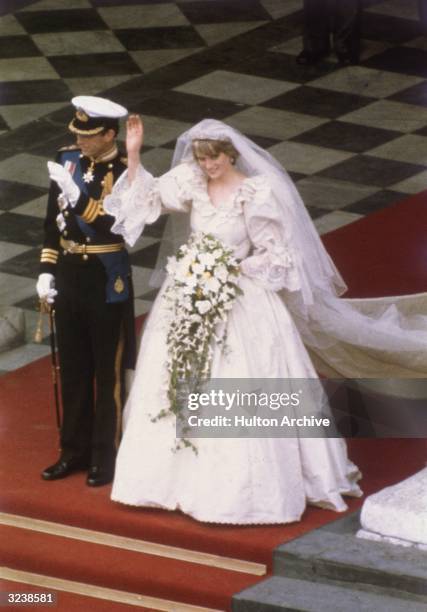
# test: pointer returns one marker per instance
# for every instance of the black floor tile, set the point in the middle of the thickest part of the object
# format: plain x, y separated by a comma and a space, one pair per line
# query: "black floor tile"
222, 11
376, 201
133, 92
31, 303
62, 116
346, 136
21, 229
182, 37
263, 141
155, 230
368, 3
94, 65
48, 148
318, 102
169, 145
37, 92
188, 107
17, 46
23, 138
4, 152
389, 29
422, 131
3, 124
316, 212
406, 60
296, 176
10, 6
370, 170
26, 264
146, 257
417, 94
281, 66
64, 20
14, 194
127, 2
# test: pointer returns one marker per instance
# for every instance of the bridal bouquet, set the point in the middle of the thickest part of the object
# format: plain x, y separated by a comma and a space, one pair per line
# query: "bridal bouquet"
202, 291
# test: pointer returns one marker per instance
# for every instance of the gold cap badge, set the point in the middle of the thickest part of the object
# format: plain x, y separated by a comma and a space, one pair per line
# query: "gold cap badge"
81, 115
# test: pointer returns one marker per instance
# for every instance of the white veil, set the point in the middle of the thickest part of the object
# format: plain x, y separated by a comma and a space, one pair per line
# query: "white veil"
316, 269
374, 338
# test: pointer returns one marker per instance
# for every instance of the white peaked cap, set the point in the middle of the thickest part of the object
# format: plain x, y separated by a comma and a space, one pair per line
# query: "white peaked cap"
94, 106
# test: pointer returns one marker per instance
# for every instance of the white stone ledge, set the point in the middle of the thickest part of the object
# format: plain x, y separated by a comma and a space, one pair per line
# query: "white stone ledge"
398, 514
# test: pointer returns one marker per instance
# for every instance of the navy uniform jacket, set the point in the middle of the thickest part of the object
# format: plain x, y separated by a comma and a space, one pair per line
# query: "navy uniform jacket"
87, 223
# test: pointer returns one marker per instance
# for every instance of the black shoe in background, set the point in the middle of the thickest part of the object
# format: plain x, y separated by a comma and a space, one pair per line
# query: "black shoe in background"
346, 58
309, 58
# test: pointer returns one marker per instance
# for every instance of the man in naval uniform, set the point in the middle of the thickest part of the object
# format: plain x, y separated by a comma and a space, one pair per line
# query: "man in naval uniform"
85, 273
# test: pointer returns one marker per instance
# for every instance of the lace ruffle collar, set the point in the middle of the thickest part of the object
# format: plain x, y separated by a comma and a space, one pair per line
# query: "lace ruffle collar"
196, 187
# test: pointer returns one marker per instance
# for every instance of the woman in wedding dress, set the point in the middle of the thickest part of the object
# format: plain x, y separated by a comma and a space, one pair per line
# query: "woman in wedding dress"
234, 190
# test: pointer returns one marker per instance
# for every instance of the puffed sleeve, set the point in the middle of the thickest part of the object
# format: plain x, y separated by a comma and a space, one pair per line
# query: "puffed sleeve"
272, 261
142, 202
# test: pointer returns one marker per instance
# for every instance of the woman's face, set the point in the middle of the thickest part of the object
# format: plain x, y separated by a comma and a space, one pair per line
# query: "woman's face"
214, 166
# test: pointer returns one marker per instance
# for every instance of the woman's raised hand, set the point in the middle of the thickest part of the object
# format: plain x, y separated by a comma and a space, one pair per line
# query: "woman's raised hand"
134, 135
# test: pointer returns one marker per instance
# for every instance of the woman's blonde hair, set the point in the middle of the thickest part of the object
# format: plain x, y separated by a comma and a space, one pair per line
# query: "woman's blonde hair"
212, 148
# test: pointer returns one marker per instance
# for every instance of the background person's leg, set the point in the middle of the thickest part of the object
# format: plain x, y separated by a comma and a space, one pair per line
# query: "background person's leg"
316, 31
346, 30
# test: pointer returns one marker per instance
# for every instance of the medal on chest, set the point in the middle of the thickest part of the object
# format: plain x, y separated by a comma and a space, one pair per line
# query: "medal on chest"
88, 176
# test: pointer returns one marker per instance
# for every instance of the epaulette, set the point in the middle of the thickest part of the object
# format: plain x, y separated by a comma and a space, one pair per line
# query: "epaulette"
124, 160
72, 147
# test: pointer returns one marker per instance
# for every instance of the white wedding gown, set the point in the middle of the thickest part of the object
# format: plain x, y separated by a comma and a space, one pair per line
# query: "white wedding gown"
235, 480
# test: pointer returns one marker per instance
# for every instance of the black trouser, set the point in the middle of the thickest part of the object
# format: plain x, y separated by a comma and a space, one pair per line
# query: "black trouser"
341, 18
90, 345
422, 10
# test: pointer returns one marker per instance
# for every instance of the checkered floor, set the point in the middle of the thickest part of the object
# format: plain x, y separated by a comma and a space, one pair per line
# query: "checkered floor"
354, 139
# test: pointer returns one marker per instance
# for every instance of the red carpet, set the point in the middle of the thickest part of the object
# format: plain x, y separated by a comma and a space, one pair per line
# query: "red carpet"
384, 253
29, 443
119, 569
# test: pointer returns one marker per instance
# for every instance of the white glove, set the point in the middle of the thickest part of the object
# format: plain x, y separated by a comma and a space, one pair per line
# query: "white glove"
46, 287
63, 178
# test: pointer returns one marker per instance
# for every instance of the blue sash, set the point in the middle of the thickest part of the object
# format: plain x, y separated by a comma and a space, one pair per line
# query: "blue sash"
117, 265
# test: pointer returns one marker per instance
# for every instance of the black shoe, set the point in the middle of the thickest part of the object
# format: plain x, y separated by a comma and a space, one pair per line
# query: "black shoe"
308, 58
98, 476
346, 58
64, 467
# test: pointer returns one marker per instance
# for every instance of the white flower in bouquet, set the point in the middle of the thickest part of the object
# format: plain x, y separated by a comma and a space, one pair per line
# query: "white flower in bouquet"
203, 306
212, 285
190, 282
207, 260
221, 273
203, 287
171, 266
197, 268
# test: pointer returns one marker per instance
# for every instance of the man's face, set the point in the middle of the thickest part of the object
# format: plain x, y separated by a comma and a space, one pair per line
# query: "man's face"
96, 145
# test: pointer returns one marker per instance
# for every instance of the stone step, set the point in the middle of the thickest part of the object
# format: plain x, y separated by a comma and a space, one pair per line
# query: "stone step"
289, 594
333, 554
